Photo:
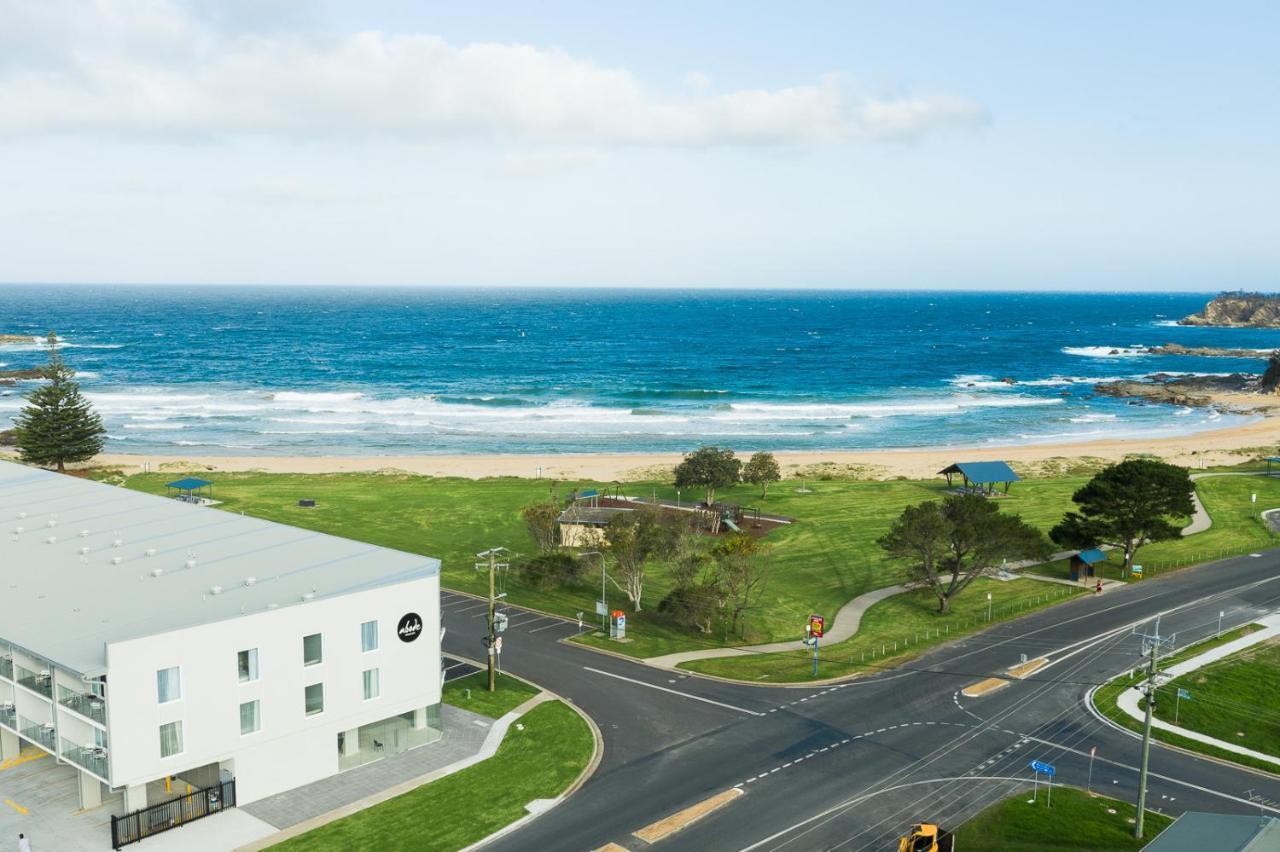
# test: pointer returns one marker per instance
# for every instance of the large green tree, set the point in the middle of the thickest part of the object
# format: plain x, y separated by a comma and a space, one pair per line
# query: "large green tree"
762, 469
948, 544
709, 468
1127, 505
58, 425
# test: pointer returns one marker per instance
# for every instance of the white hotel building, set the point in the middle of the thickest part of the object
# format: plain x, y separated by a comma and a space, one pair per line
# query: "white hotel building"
153, 643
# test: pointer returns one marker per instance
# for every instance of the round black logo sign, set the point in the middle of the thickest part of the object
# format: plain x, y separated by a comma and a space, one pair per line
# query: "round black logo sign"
409, 627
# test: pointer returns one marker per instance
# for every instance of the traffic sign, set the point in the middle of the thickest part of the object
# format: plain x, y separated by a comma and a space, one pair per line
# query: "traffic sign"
497, 644
1042, 768
1137, 569
1184, 693
816, 624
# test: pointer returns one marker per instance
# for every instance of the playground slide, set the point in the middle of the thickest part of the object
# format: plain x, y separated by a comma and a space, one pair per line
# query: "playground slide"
731, 525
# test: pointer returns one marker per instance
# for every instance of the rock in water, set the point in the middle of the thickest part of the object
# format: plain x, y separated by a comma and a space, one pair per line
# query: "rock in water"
1271, 378
1239, 310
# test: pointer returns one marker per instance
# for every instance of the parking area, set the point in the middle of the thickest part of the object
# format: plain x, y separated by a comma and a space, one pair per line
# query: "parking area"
40, 798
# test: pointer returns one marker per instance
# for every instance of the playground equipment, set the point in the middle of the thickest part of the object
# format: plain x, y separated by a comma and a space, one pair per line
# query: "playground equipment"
927, 837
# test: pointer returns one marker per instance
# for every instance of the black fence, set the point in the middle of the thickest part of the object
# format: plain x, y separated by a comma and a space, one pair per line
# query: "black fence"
156, 819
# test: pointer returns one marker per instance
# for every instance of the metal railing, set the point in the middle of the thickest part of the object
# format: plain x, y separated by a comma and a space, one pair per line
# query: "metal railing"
41, 733
140, 824
41, 682
90, 706
6, 667
8, 716
92, 758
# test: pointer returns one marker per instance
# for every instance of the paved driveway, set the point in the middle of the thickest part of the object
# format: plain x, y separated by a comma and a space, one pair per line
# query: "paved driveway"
40, 798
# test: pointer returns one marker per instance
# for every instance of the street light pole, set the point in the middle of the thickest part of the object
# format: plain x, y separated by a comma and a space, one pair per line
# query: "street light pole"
604, 599
988, 606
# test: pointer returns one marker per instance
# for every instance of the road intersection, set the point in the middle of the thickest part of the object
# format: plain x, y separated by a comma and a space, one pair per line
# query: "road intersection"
849, 765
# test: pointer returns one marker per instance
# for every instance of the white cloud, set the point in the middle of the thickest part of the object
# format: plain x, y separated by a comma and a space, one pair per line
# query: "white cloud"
147, 67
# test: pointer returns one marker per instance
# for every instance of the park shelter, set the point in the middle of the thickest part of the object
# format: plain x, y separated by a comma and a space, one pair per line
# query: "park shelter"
1270, 460
1082, 563
1201, 832
981, 477
585, 525
190, 489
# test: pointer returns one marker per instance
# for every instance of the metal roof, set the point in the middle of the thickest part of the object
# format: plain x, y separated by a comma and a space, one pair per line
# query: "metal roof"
1200, 832
983, 472
189, 484
591, 515
1089, 557
84, 563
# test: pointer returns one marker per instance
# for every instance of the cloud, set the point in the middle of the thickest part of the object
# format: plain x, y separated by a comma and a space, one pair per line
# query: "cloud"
149, 67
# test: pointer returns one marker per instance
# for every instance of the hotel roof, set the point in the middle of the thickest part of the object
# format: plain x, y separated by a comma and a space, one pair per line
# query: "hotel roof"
84, 563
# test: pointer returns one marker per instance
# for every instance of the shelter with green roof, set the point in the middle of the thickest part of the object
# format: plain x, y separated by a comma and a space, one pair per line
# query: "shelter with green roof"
981, 477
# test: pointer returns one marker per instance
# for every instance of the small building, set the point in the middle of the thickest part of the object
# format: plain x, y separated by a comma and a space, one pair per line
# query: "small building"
191, 490
585, 526
1082, 563
153, 645
1201, 832
981, 477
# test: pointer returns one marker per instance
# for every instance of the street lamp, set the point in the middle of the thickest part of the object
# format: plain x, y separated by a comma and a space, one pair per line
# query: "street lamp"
604, 600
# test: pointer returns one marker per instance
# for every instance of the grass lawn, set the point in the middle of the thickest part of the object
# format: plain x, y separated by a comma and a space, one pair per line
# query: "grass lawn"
1077, 821
538, 762
1238, 695
1106, 696
893, 630
470, 693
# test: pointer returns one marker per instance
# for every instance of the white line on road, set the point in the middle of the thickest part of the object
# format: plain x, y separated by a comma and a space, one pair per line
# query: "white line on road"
675, 692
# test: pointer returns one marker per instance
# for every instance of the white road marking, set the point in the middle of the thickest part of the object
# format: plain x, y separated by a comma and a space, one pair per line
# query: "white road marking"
674, 692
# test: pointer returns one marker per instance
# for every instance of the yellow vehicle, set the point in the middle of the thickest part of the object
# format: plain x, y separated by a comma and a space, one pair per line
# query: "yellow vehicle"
926, 837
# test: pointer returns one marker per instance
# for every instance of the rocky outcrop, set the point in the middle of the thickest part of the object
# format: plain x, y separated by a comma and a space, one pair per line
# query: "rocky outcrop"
16, 338
1271, 378
1207, 351
8, 438
1194, 391
1238, 310
9, 377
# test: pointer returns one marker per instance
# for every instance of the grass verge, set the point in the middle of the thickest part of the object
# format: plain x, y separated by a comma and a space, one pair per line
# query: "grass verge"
538, 762
470, 693
1077, 821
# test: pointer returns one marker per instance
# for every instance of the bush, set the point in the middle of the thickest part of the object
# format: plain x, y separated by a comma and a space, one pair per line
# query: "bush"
550, 570
691, 606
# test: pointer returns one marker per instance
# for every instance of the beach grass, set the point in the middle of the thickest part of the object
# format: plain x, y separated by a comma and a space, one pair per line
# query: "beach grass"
538, 760
1077, 821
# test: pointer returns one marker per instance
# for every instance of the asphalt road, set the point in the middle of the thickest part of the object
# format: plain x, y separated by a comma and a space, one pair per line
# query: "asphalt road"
850, 766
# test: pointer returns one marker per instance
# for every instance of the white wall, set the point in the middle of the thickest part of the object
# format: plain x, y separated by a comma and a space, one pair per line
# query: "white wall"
291, 748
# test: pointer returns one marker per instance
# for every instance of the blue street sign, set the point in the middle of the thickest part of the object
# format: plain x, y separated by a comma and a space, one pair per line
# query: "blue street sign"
1184, 693
1043, 768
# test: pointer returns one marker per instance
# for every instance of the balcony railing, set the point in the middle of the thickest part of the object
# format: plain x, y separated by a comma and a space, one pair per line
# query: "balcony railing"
92, 758
41, 682
6, 667
88, 705
37, 732
8, 716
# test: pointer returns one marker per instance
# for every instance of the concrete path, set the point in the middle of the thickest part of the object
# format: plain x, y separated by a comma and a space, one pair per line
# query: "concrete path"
1130, 698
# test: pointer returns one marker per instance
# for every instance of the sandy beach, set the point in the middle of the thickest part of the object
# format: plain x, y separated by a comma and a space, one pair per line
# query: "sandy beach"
1224, 446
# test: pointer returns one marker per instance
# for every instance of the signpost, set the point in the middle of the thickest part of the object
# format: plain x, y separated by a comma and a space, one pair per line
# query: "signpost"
1047, 770
812, 633
1136, 570
1177, 702
1092, 752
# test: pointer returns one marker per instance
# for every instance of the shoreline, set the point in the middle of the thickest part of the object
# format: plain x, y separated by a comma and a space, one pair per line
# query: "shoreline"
1201, 449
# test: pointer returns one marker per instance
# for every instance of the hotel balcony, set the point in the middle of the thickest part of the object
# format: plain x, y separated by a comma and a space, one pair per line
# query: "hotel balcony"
92, 758
41, 733
41, 682
6, 667
9, 717
86, 704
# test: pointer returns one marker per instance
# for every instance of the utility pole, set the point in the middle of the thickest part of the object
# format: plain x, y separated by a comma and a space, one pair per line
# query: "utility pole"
492, 564
1151, 645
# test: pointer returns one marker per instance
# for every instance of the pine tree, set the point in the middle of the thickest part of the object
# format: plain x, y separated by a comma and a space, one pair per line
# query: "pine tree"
58, 425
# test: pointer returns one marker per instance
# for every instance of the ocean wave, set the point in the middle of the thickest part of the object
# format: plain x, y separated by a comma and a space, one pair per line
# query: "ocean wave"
1106, 351
982, 382
154, 426
1092, 418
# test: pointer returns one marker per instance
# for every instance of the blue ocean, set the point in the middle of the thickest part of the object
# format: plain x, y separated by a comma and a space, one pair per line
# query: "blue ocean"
302, 370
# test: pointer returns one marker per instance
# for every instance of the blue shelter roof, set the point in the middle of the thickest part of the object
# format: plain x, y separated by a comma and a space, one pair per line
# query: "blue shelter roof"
983, 472
1089, 557
189, 484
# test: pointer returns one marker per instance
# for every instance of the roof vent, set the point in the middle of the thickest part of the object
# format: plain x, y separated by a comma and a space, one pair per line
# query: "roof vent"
156, 572
22, 515
84, 533
116, 560
51, 524
215, 590
249, 581
273, 606
83, 551
309, 596
17, 530
151, 551
191, 563
117, 542
53, 539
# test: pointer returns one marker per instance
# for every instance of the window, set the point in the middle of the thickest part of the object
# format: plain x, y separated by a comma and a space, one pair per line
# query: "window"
247, 664
315, 699
171, 739
369, 636
168, 685
372, 685
250, 717
312, 650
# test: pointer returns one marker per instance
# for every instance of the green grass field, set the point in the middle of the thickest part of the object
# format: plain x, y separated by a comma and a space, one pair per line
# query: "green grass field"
538, 762
827, 558
1077, 821
471, 693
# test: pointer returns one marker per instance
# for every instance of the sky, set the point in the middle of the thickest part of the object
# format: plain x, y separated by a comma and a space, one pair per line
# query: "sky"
927, 145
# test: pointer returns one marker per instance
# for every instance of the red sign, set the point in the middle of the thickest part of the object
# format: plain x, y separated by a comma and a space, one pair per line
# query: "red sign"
815, 625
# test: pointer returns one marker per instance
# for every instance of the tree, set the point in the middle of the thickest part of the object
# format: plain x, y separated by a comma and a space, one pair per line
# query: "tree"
951, 543
58, 425
709, 468
691, 606
542, 520
633, 538
742, 573
551, 570
762, 469
1127, 505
